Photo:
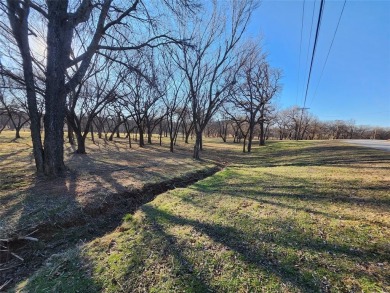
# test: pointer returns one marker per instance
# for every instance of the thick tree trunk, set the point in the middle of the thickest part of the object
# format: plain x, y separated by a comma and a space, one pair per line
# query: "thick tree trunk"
59, 37
149, 137
80, 143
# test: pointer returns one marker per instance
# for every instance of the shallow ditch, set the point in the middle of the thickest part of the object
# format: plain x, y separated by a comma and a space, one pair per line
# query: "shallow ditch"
21, 258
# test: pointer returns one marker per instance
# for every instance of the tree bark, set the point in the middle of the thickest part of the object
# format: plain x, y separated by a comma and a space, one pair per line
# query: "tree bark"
251, 129
17, 132
262, 134
59, 36
80, 143
141, 137
198, 139
19, 23
70, 134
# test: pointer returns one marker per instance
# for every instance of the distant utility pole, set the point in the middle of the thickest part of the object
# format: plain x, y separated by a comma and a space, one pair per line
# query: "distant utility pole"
300, 123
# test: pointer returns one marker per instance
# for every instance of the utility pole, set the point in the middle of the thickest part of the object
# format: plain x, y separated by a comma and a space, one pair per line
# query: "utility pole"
300, 123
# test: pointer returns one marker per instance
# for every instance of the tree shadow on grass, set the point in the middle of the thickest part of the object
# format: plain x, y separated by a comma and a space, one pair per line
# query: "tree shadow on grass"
238, 242
316, 190
274, 154
271, 251
61, 216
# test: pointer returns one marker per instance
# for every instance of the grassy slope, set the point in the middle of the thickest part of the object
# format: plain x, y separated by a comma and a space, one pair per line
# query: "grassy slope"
308, 216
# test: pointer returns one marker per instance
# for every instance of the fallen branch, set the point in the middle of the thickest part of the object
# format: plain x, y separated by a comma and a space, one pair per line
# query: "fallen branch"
18, 238
17, 256
5, 284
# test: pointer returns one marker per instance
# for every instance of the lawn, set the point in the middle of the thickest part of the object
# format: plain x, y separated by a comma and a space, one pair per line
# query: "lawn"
290, 217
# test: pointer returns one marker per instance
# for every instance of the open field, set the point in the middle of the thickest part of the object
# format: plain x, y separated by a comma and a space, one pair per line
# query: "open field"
311, 216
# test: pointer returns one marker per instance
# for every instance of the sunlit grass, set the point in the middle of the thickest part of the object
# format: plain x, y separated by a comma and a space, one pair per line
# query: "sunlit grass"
290, 217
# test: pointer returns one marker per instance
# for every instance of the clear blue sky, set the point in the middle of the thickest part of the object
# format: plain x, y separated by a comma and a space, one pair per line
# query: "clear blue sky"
356, 81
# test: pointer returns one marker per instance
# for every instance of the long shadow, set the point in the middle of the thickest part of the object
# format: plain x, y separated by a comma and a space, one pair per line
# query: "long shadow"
263, 258
182, 269
296, 188
308, 155
8, 155
51, 209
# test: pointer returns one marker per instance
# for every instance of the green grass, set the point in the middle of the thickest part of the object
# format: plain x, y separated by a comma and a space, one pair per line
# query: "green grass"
290, 217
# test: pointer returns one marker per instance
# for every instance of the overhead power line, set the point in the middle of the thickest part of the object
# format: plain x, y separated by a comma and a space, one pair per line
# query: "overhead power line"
300, 50
310, 35
330, 48
314, 49
311, 65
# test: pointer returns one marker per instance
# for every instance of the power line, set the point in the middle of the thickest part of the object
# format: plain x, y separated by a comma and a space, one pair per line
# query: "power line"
314, 49
330, 48
300, 50
311, 63
310, 35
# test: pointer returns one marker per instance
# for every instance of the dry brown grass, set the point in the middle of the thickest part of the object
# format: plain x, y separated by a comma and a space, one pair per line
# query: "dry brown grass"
108, 168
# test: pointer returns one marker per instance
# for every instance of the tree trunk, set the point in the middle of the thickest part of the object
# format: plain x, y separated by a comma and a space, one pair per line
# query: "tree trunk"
251, 129
17, 132
92, 134
171, 145
141, 137
198, 139
59, 36
20, 32
70, 135
187, 137
80, 143
244, 144
149, 137
129, 136
262, 134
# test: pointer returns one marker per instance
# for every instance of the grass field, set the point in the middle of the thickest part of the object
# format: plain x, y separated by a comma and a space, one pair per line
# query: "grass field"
290, 217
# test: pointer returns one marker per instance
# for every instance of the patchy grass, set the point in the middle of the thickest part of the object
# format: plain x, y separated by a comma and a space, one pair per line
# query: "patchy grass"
88, 201
108, 168
290, 217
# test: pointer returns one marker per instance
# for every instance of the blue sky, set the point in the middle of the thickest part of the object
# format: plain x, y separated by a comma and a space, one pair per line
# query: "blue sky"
356, 80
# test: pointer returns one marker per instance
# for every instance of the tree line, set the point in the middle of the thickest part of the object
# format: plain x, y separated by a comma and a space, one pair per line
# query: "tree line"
105, 67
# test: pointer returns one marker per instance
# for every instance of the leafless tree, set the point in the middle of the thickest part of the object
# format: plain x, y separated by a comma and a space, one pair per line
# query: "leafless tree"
75, 32
90, 97
210, 65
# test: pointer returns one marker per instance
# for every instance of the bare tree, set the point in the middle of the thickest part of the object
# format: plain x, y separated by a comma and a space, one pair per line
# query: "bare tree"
85, 27
90, 97
139, 96
210, 65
